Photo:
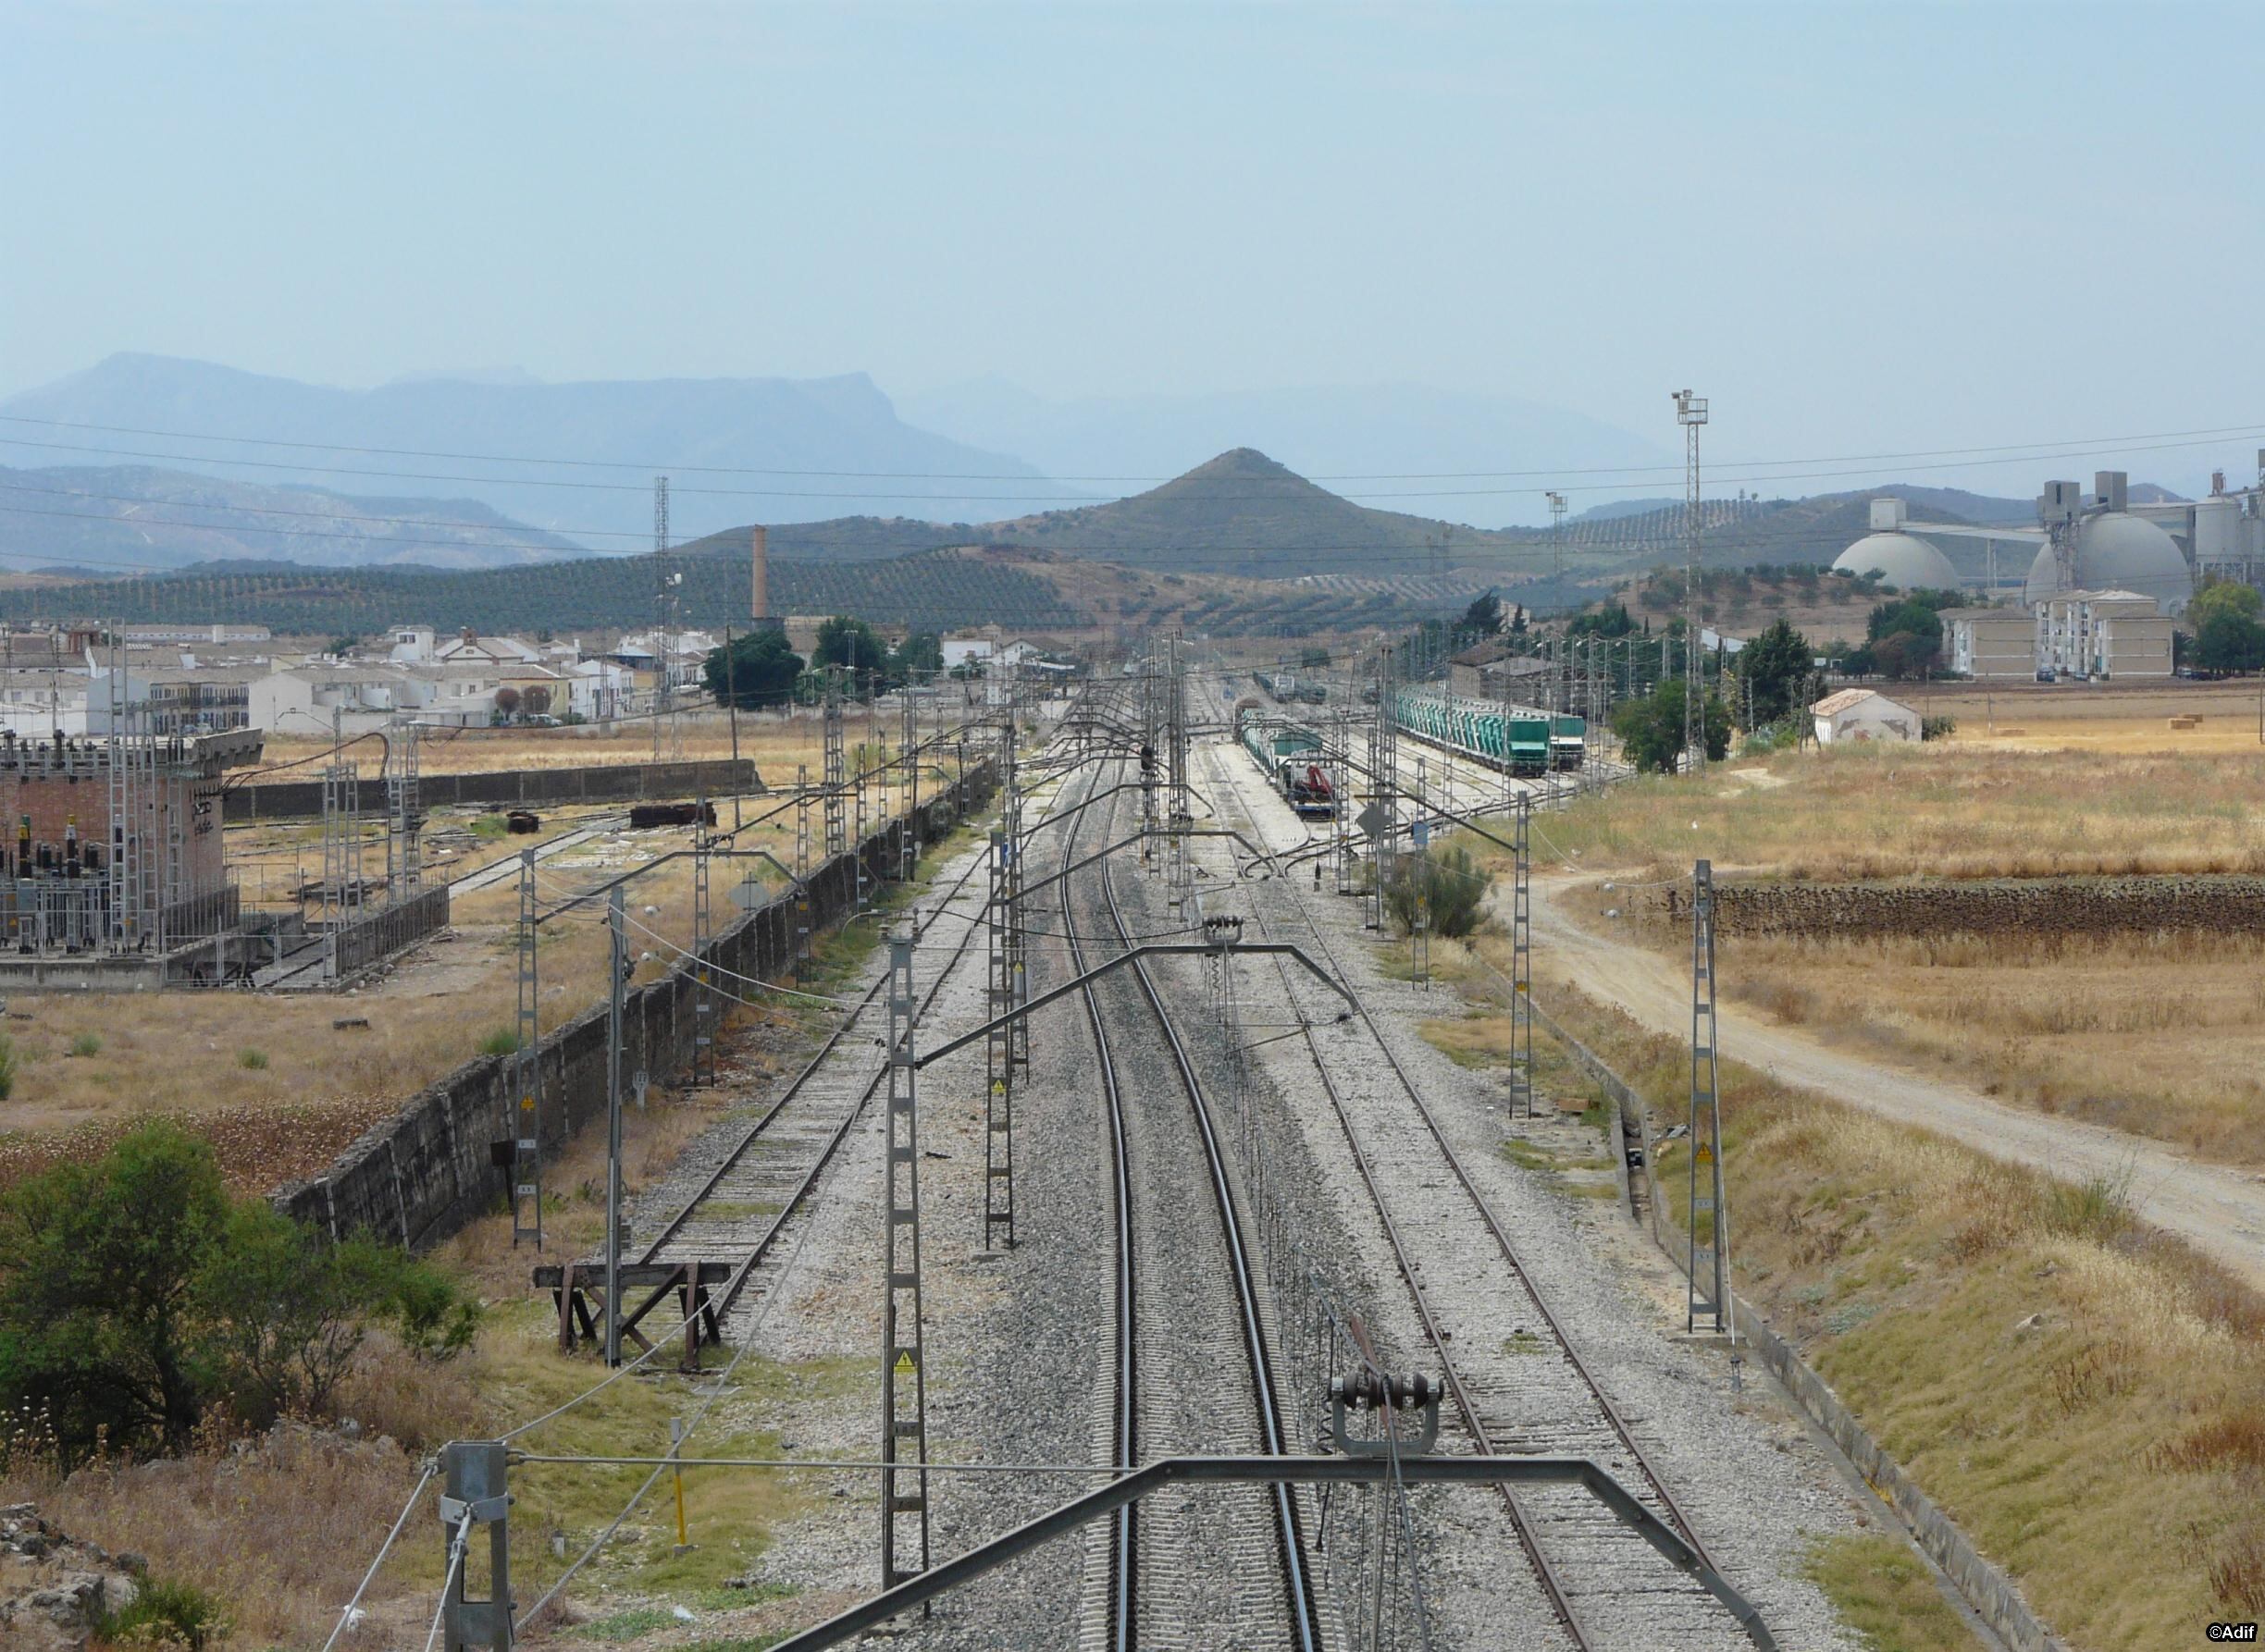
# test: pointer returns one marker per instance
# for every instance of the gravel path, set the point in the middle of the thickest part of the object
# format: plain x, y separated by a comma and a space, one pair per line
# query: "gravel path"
2219, 1211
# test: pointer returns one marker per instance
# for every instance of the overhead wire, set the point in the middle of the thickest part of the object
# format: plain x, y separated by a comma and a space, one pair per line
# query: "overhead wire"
1665, 468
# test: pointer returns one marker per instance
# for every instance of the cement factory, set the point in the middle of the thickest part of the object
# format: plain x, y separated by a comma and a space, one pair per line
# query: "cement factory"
2105, 575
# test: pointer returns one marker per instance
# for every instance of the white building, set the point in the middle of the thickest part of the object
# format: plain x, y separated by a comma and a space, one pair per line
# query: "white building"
1857, 714
2102, 634
1990, 644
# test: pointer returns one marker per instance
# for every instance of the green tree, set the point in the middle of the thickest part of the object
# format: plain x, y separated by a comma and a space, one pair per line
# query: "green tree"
1651, 728
921, 654
99, 1265
847, 641
2223, 597
1483, 617
1609, 619
761, 670
135, 1295
2228, 641
1773, 668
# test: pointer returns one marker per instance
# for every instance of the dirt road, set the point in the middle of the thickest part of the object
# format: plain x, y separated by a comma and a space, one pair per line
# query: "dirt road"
2219, 1211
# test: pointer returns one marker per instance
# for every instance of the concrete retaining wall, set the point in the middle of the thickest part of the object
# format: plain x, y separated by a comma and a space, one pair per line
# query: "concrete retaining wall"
421, 1175
510, 788
1991, 1594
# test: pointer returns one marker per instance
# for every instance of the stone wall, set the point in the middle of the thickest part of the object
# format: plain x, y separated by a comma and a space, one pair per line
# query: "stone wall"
2044, 907
421, 1175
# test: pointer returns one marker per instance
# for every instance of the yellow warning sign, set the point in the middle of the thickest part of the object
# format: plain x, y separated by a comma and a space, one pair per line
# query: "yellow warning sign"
998, 1087
904, 1363
1706, 1153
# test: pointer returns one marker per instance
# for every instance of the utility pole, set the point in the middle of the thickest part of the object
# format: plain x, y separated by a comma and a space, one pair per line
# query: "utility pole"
1521, 959
1691, 413
665, 707
1557, 515
731, 697
707, 1006
613, 1130
526, 1142
1707, 1307
904, 1370
835, 779
1384, 782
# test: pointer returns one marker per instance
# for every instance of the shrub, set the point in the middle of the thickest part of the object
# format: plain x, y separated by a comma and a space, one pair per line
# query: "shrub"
252, 1061
86, 1043
7, 1066
165, 1613
1938, 728
501, 1041
1452, 885
136, 1299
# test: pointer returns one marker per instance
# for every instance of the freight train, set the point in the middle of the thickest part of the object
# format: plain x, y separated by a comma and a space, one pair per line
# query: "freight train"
1288, 688
1521, 739
1289, 756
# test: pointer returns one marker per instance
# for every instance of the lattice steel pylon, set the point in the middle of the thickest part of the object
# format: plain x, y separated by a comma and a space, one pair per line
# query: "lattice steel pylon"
668, 584
1341, 777
862, 820
801, 867
526, 1074
707, 1003
999, 1047
908, 745
1179, 813
404, 816
1419, 907
1707, 1307
835, 779
1691, 413
1521, 958
1383, 783
904, 1371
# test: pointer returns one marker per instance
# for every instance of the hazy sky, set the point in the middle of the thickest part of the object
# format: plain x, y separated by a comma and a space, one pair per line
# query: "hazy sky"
1857, 229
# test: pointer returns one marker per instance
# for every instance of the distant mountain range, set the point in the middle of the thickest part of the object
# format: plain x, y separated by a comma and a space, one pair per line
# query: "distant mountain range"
126, 519
576, 459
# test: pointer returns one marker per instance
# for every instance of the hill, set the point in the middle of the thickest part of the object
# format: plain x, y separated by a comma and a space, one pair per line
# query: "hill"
573, 458
1380, 444
929, 590
133, 517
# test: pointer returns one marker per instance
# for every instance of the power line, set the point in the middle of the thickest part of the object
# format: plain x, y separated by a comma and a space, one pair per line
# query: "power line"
1666, 471
2007, 455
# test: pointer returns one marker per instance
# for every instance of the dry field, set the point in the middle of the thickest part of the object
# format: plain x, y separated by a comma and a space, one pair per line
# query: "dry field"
1958, 809
2065, 1382
2107, 717
274, 1083
775, 744
2158, 1035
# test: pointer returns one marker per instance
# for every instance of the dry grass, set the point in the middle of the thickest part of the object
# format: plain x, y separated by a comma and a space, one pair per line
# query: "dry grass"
2123, 1418
1954, 810
2160, 1036
218, 1519
181, 1054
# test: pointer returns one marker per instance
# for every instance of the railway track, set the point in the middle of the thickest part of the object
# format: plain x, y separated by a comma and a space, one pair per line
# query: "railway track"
1605, 1586
1179, 1573
740, 1201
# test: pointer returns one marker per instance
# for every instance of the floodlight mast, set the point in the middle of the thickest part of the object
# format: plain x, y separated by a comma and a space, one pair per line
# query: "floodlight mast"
1557, 515
1691, 413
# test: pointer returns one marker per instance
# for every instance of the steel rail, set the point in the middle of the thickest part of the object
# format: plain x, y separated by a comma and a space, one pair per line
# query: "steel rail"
1509, 1252
762, 1247
1125, 1410
1298, 1583
1552, 1585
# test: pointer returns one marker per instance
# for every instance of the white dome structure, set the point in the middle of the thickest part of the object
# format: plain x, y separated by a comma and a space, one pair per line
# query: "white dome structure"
1905, 561
2118, 552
